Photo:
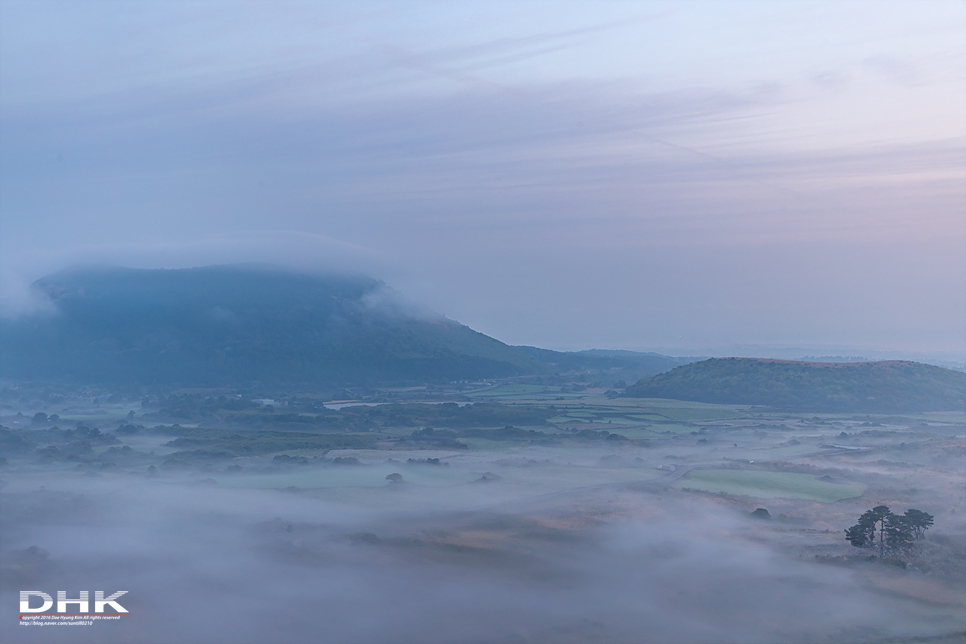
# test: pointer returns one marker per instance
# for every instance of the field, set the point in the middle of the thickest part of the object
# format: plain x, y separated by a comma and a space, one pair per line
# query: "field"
604, 517
769, 485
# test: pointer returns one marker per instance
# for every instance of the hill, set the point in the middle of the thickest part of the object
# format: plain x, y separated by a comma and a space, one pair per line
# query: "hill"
615, 364
237, 325
880, 387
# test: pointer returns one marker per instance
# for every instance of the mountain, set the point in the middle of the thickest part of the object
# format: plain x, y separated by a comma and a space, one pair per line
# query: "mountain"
236, 325
615, 364
879, 387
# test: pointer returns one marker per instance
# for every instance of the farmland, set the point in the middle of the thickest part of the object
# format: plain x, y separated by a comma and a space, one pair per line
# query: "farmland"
508, 485
769, 485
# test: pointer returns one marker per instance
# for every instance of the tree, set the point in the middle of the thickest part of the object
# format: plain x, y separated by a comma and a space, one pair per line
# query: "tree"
897, 533
920, 522
861, 535
877, 516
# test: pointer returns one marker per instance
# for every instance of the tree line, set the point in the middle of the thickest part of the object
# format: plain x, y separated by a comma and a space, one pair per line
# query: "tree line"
895, 534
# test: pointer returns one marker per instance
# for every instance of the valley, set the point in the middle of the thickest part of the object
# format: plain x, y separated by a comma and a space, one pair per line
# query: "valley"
510, 491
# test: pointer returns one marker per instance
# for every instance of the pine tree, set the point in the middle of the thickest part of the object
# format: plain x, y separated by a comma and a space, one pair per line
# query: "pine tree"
897, 533
920, 522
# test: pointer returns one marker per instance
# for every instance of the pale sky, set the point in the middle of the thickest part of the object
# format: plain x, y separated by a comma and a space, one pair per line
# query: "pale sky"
567, 175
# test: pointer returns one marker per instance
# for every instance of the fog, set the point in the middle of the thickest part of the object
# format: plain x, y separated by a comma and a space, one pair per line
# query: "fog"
519, 545
305, 252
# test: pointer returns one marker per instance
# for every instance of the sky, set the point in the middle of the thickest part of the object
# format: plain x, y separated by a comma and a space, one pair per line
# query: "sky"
641, 175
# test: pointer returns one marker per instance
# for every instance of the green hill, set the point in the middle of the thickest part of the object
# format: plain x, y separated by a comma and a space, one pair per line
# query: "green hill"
603, 364
879, 387
236, 325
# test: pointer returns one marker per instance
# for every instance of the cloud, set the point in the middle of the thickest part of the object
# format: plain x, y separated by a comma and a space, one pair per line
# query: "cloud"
526, 146
307, 252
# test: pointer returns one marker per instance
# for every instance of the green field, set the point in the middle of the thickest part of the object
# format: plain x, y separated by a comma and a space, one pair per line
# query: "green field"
700, 414
617, 420
770, 485
652, 404
514, 391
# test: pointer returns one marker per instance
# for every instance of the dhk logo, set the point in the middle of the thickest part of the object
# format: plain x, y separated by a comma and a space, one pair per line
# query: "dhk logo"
82, 603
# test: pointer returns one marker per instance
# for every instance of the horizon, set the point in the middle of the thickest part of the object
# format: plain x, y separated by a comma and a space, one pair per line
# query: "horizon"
39, 304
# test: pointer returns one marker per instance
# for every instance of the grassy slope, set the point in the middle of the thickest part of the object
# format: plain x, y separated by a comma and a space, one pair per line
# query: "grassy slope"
768, 485
616, 364
877, 387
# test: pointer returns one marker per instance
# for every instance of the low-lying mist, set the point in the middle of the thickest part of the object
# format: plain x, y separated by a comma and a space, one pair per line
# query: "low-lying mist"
519, 545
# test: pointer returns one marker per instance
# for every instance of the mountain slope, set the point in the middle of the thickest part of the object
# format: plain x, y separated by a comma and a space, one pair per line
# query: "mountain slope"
229, 325
623, 365
890, 386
